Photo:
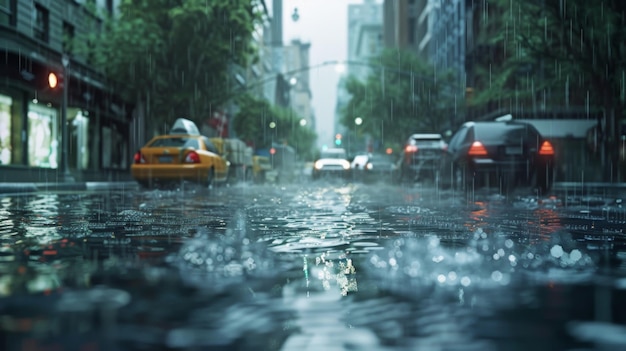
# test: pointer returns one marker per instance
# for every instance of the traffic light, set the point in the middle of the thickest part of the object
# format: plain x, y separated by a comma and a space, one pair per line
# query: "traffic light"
338, 139
55, 80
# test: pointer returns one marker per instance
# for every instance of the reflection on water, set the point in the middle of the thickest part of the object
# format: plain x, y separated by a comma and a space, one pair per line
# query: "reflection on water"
285, 268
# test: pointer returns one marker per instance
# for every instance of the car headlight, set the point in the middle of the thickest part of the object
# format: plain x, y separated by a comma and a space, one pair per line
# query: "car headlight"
318, 165
345, 165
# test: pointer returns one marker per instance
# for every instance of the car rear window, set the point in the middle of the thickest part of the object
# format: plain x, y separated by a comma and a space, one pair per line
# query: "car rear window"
425, 140
504, 132
334, 154
176, 142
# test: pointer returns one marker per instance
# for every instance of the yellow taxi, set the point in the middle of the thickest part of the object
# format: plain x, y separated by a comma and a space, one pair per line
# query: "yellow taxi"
182, 155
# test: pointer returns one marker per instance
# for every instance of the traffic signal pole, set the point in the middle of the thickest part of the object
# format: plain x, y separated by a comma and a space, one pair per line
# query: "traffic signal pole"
64, 127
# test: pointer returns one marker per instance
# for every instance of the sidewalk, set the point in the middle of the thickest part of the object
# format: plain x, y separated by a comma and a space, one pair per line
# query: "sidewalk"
16, 188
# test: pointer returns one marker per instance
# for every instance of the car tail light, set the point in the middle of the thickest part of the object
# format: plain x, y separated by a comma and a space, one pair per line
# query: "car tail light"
138, 158
411, 148
477, 149
192, 157
546, 149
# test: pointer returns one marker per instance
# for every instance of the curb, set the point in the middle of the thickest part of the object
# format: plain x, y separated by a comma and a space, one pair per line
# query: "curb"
21, 188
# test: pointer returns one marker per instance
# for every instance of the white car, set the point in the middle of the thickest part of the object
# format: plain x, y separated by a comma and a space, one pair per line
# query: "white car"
332, 162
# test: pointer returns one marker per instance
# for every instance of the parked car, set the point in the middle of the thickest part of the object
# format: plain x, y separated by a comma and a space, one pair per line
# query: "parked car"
421, 156
182, 155
374, 167
503, 154
332, 162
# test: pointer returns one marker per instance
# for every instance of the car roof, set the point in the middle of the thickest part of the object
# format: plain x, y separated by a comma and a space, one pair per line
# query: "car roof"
496, 123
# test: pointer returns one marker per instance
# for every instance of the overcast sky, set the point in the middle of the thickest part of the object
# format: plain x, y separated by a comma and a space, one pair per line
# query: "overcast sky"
324, 24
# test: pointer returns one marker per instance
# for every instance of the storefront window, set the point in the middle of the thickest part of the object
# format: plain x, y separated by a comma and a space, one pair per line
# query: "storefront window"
42, 136
114, 148
5, 129
79, 138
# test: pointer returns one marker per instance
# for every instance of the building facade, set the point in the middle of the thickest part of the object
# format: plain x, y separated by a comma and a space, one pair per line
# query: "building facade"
365, 36
36, 38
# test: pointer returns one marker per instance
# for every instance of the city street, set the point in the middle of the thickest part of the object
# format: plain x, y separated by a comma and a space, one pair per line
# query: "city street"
326, 265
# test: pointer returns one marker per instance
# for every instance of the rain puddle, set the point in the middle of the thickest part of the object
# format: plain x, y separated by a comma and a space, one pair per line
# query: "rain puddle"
323, 266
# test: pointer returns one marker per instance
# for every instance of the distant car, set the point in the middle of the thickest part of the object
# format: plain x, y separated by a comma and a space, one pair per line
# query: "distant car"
502, 154
332, 162
374, 167
183, 155
421, 156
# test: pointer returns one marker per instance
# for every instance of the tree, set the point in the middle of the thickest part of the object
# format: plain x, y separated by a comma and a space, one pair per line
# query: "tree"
563, 52
252, 124
174, 55
402, 95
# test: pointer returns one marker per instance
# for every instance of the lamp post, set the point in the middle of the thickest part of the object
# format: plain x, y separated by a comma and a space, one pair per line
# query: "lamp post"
357, 122
65, 60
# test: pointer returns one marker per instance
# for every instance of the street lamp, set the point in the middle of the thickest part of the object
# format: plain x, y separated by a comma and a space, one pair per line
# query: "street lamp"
303, 122
358, 121
65, 60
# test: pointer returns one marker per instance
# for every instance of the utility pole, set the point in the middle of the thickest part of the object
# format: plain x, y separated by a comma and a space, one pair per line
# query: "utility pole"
65, 60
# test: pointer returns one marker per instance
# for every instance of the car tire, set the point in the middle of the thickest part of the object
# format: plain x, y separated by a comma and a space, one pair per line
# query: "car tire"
210, 177
459, 178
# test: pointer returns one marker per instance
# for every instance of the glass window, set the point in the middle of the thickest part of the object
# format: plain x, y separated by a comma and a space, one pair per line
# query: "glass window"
41, 25
176, 142
5, 129
505, 132
79, 138
42, 136
68, 37
209, 145
7, 12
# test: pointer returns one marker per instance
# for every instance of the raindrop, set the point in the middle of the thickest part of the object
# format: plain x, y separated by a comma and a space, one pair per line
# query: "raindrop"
575, 255
466, 281
508, 243
496, 276
556, 251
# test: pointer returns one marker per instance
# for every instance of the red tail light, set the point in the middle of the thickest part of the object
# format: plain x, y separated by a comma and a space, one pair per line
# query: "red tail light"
410, 148
138, 158
546, 149
192, 157
477, 149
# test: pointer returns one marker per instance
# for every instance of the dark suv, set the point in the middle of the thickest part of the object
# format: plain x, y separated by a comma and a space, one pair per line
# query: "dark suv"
421, 156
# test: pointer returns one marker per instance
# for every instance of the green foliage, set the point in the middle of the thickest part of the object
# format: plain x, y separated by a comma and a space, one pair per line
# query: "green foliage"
402, 95
174, 55
252, 124
561, 52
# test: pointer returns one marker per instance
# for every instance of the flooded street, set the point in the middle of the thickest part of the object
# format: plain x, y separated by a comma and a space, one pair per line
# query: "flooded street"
319, 266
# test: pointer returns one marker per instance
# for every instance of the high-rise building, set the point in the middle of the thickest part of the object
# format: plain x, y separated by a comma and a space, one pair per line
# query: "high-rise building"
365, 41
365, 36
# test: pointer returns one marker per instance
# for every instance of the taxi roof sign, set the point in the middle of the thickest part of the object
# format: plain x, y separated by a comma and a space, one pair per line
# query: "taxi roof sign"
184, 126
